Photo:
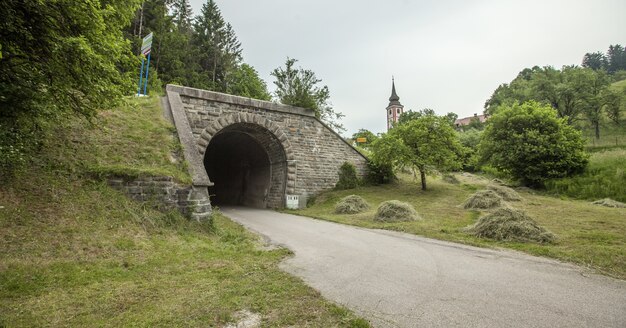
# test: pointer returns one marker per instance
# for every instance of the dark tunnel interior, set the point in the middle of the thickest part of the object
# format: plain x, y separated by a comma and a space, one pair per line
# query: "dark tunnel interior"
240, 169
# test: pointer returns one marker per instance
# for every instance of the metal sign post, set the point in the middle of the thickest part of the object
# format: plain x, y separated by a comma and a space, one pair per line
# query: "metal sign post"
146, 48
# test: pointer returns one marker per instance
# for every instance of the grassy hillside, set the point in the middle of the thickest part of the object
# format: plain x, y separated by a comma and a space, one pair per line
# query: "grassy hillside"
587, 234
74, 252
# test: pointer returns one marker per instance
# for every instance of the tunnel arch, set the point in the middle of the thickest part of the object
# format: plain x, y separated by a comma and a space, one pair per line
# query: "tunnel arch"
249, 159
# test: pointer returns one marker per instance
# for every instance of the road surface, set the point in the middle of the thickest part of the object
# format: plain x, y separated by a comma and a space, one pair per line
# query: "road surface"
400, 280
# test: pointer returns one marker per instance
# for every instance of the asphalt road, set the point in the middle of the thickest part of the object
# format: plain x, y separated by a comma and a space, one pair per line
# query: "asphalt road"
400, 280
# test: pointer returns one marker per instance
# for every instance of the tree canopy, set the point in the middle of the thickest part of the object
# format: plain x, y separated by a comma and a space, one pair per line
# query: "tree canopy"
300, 87
423, 144
532, 144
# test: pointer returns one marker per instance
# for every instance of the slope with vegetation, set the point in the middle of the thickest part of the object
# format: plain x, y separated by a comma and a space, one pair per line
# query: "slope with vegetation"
74, 252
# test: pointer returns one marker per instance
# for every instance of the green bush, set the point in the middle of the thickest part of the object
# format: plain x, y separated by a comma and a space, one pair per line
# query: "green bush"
378, 174
347, 177
532, 144
604, 178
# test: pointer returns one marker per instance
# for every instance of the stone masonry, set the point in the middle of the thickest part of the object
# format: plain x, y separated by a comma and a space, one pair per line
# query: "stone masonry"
305, 154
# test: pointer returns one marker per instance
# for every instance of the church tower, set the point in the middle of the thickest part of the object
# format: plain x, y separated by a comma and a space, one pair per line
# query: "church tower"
395, 108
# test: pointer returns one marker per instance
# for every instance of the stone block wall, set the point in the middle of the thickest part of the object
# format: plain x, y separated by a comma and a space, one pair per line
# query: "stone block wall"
318, 152
165, 194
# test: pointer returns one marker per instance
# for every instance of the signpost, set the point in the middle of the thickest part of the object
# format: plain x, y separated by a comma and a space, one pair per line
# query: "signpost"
146, 49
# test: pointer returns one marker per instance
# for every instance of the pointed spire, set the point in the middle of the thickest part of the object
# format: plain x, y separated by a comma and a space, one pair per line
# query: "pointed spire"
394, 99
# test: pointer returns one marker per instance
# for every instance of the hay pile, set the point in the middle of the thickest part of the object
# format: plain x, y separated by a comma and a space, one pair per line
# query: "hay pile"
483, 199
511, 225
609, 203
451, 178
395, 210
505, 192
351, 205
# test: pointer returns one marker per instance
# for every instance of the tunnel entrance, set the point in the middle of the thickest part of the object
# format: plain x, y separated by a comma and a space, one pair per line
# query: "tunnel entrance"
247, 165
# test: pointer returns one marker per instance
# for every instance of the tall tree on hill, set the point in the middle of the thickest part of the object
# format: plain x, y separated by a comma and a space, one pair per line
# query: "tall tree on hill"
595, 61
616, 58
217, 48
245, 81
183, 16
299, 87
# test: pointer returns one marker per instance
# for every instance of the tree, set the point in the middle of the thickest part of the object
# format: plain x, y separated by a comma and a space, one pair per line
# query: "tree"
616, 58
216, 48
410, 115
299, 87
61, 58
451, 117
532, 144
595, 61
245, 82
424, 144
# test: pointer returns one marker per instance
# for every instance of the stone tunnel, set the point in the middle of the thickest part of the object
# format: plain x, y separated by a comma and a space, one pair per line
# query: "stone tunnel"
243, 151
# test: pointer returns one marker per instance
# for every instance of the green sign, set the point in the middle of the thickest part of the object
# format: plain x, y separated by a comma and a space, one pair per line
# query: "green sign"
146, 45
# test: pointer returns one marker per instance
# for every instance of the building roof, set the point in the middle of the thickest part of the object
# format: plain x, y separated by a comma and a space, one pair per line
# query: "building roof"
394, 99
466, 120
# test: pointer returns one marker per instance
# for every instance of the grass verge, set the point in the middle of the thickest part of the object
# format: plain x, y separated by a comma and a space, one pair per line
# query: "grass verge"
587, 234
74, 252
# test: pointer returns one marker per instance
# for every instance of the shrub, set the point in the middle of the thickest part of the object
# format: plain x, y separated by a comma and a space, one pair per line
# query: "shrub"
379, 173
395, 210
510, 224
483, 199
351, 205
505, 192
347, 177
532, 144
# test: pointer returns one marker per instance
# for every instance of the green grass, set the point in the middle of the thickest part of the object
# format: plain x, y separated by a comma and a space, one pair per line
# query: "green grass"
605, 177
587, 234
75, 252
130, 141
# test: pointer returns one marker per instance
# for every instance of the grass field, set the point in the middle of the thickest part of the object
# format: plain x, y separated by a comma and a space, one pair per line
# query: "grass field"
589, 235
74, 252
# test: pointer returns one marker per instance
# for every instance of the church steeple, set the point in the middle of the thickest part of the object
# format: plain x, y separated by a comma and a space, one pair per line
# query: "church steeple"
395, 108
394, 99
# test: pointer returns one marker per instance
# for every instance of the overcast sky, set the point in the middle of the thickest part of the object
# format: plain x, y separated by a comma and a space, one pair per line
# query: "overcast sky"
446, 55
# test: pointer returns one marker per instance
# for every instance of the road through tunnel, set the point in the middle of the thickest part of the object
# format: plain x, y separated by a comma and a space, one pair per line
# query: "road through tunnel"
247, 165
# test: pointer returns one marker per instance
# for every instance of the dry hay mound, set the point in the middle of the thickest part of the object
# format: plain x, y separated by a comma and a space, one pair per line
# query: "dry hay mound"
483, 199
395, 210
505, 192
511, 225
451, 178
609, 203
351, 205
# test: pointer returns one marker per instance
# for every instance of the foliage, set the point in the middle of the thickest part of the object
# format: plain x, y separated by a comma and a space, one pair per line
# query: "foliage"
245, 81
395, 210
367, 134
347, 177
426, 143
571, 91
469, 139
613, 61
351, 204
512, 225
604, 177
299, 87
379, 173
410, 115
532, 144
58, 59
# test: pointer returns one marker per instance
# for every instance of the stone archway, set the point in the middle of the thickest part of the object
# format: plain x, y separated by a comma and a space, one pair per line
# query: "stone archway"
249, 159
